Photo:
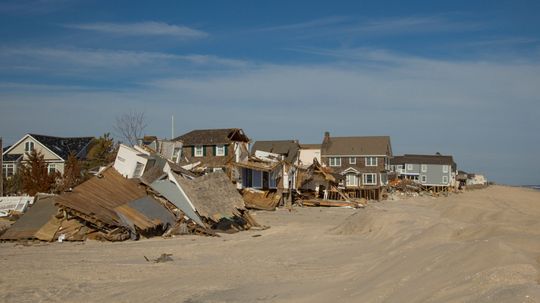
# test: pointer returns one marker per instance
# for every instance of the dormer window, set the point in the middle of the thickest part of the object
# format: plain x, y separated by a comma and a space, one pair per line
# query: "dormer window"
28, 146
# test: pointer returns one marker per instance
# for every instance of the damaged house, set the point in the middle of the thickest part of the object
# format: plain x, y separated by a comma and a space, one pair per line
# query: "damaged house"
363, 161
268, 176
209, 150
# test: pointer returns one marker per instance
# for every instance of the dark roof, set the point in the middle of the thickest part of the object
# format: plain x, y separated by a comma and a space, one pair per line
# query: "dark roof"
423, 159
372, 145
5, 148
288, 148
64, 146
212, 136
12, 157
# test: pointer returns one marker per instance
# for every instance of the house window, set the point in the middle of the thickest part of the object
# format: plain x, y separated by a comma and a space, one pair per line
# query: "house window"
216, 169
352, 160
199, 151
445, 169
52, 168
220, 150
28, 146
8, 170
138, 170
335, 161
351, 180
257, 179
423, 178
445, 179
409, 167
371, 161
370, 179
423, 168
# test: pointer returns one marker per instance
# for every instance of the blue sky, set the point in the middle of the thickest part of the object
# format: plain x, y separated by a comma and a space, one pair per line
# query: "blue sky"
457, 77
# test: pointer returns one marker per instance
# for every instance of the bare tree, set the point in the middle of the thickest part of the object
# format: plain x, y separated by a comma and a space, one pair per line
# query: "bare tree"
130, 126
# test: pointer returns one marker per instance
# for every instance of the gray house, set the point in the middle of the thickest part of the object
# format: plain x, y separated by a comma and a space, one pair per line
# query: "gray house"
428, 170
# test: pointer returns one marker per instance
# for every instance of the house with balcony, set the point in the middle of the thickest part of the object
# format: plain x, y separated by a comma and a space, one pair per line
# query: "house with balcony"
362, 160
431, 171
55, 151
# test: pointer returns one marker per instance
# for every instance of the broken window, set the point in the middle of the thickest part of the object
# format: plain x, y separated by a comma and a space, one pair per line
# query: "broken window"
138, 170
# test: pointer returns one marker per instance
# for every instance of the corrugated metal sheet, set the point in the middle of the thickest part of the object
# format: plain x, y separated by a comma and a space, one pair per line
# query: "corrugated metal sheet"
145, 213
33, 220
95, 199
171, 192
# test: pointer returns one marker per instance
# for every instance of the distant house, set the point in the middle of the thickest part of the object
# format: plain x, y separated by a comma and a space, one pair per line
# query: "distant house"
428, 170
363, 161
213, 149
308, 152
54, 149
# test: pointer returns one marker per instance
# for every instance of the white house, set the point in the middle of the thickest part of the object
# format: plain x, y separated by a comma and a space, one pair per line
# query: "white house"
131, 162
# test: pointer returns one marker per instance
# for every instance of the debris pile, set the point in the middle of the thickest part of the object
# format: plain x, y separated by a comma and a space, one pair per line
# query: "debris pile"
165, 200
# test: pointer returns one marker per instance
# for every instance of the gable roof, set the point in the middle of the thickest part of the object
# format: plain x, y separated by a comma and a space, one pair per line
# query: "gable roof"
212, 136
60, 146
370, 145
424, 159
310, 146
288, 148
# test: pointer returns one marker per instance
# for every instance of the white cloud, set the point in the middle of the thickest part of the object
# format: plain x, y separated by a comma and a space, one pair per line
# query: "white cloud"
470, 109
142, 29
61, 59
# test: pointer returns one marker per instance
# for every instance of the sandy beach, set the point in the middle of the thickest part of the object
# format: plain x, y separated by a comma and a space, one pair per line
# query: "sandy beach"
477, 246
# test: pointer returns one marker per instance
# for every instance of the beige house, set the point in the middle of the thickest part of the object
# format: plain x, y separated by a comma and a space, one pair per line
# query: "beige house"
54, 149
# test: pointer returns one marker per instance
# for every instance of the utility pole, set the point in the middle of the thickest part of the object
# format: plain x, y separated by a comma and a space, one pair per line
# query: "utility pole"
172, 127
2, 166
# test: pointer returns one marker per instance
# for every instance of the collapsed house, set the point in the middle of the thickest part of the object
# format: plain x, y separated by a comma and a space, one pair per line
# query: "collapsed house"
319, 186
160, 198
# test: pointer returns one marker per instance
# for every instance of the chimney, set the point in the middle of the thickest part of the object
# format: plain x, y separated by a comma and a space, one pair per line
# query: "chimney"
326, 137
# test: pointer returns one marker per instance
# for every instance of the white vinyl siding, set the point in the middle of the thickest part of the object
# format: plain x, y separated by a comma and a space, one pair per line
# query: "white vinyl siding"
370, 179
334, 161
371, 161
199, 151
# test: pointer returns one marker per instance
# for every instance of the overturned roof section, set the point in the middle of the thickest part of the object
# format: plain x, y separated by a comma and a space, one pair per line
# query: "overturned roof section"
212, 136
213, 195
356, 146
288, 148
95, 199
32, 221
424, 159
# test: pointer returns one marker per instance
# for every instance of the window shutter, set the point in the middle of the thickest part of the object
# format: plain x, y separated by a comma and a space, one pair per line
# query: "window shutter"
193, 151
226, 149
204, 150
214, 147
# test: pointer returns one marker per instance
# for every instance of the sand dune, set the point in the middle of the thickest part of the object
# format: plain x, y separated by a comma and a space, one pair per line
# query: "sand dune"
479, 246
